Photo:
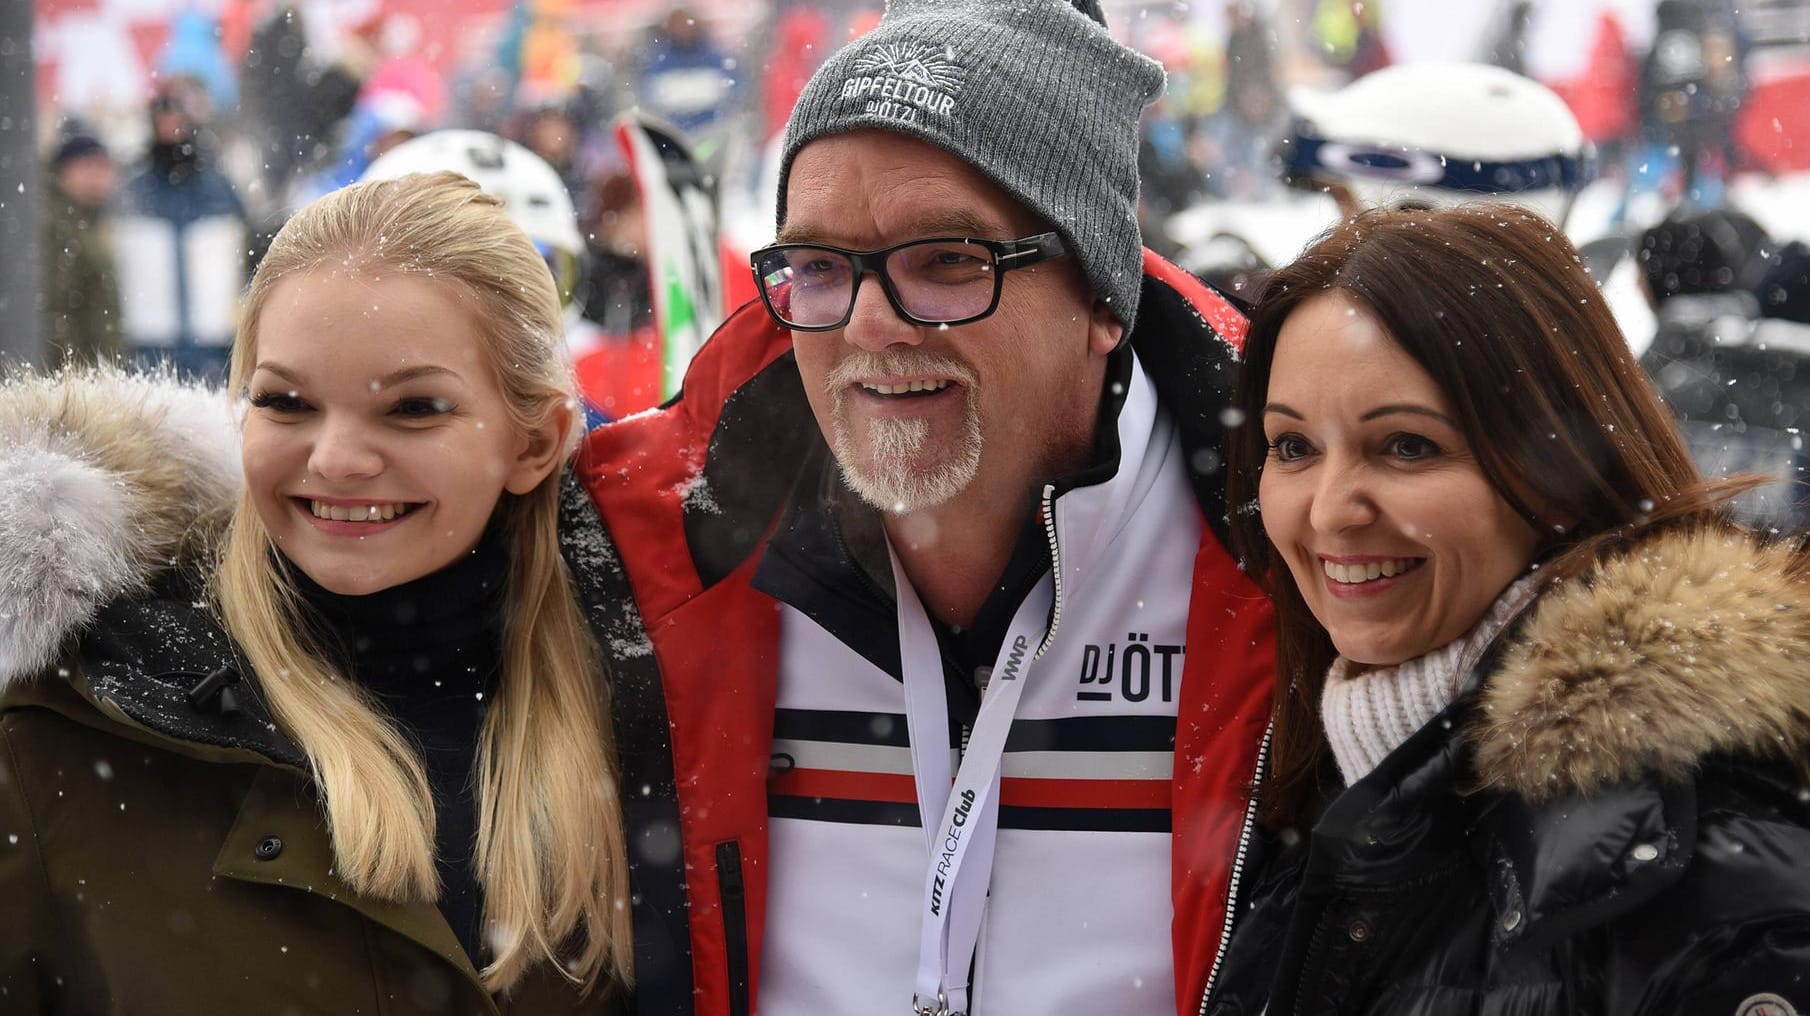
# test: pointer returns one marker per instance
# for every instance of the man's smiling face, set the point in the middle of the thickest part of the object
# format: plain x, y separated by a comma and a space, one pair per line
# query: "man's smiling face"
920, 416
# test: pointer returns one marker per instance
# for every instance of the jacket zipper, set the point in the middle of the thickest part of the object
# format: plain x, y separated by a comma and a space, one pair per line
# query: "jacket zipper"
1049, 529
735, 923
1238, 859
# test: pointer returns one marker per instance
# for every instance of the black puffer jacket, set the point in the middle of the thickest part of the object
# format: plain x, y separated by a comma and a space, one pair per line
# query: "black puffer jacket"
1612, 822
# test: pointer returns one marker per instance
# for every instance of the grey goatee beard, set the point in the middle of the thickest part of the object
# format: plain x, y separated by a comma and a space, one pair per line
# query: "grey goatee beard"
888, 476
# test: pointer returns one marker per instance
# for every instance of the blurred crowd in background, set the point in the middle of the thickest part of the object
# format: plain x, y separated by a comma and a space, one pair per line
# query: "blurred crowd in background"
253, 112
240, 111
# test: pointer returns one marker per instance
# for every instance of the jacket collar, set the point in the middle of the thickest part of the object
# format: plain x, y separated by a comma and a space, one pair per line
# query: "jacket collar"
156, 667
1189, 338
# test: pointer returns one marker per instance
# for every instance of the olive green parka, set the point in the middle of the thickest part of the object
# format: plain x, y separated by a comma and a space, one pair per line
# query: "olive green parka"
162, 847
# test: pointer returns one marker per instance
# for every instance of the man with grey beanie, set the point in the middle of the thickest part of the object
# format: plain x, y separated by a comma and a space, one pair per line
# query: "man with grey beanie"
938, 685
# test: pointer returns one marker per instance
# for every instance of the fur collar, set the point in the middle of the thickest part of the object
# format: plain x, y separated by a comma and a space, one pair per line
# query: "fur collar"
106, 480
1688, 645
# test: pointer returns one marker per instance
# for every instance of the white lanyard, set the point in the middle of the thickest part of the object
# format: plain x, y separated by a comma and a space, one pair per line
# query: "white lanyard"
967, 803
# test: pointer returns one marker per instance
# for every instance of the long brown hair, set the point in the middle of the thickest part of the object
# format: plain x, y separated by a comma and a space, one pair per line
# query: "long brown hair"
1493, 302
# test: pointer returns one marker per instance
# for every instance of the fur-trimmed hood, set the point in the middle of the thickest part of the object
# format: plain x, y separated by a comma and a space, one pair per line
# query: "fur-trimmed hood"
1688, 645
106, 479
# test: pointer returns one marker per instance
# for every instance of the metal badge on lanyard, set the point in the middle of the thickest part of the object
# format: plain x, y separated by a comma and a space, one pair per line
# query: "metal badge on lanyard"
960, 811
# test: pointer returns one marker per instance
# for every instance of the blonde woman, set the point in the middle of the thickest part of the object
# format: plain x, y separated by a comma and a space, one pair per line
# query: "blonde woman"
334, 740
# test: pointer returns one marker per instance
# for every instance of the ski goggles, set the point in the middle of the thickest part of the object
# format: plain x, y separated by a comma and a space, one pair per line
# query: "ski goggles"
1309, 160
937, 281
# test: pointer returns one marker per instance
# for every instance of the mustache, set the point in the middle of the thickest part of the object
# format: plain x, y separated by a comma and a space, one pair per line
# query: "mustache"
867, 363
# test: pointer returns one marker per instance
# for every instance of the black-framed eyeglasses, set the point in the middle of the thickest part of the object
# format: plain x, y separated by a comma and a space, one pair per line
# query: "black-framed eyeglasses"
942, 280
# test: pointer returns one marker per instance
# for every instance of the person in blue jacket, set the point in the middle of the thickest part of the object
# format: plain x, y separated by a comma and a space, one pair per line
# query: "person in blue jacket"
180, 244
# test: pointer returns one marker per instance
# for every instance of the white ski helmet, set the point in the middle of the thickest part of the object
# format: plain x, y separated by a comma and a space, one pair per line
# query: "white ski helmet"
531, 190
1439, 134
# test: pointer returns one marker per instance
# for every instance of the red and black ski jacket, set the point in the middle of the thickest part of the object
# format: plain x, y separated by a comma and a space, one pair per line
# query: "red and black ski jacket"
688, 495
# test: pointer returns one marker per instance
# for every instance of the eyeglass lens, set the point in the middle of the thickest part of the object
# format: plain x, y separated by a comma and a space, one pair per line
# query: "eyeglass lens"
939, 280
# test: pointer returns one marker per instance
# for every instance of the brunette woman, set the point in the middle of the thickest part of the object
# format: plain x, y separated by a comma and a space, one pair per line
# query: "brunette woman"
1543, 714
332, 740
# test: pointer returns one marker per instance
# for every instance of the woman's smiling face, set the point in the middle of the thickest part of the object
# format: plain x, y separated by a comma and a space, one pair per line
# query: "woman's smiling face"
1396, 539
378, 442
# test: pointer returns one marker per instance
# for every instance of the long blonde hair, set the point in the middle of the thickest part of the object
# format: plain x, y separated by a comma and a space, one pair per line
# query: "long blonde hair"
551, 854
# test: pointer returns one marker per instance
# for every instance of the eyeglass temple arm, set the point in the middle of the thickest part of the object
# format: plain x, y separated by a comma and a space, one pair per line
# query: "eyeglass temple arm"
1031, 250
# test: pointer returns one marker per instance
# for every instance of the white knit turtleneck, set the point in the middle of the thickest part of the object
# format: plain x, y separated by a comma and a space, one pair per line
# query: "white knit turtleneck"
1369, 713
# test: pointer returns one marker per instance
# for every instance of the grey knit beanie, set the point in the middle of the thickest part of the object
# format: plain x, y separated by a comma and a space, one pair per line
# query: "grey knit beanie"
1033, 93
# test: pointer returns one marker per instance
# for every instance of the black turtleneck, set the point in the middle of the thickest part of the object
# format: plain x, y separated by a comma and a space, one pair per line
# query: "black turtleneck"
431, 650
